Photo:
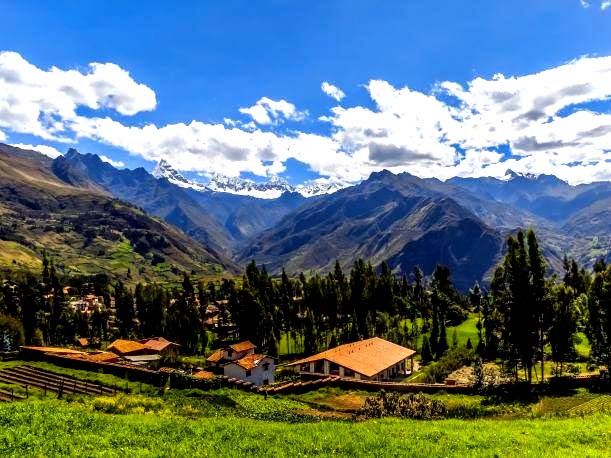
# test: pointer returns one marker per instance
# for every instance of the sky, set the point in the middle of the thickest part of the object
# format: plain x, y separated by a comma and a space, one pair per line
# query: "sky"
314, 91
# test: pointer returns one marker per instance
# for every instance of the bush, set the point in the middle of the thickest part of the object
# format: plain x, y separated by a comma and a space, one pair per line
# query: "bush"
454, 359
416, 406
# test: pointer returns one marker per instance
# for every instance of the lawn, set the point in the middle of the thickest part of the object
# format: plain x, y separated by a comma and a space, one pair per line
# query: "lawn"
56, 428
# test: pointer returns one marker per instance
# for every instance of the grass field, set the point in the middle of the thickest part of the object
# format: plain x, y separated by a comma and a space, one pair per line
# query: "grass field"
55, 428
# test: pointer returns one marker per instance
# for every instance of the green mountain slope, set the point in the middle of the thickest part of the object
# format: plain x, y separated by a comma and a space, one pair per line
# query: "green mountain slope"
86, 230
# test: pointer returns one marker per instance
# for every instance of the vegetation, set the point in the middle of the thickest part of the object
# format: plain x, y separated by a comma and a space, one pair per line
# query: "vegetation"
149, 426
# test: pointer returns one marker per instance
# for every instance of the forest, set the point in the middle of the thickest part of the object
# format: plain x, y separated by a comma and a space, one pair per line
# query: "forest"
524, 316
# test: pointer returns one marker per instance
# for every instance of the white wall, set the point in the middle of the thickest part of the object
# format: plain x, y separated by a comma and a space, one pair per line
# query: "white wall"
257, 375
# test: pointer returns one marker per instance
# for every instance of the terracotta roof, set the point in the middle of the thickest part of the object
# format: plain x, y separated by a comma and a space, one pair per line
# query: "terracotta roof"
215, 357
123, 347
83, 342
159, 344
102, 357
368, 357
250, 361
53, 350
167, 370
242, 346
203, 375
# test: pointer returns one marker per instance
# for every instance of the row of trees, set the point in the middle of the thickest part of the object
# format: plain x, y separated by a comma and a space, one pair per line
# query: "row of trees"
525, 316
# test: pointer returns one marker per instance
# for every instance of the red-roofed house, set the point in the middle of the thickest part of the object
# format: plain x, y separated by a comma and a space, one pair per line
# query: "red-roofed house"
258, 369
240, 361
370, 359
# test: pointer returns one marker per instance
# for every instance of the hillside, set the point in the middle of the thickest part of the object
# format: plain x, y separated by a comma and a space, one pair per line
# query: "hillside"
85, 229
220, 220
394, 218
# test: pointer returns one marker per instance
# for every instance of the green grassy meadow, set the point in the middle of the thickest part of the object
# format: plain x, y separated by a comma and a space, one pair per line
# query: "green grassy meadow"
58, 428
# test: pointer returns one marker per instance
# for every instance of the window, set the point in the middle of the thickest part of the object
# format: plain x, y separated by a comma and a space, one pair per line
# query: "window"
265, 366
248, 373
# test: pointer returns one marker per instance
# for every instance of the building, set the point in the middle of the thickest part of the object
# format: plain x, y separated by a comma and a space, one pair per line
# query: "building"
231, 353
124, 348
240, 361
370, 359
162, 347
258, 369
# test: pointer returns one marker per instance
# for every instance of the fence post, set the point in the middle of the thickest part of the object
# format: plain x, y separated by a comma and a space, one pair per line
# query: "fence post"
74, 389
87, 386
27, 392
45, 389
12, 394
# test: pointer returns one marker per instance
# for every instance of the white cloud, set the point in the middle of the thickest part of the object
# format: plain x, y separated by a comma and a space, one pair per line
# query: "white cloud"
584, 3
332, 91
546, 119
111, 162
605, 4
2, 136
43, 149
268, 111
40, 102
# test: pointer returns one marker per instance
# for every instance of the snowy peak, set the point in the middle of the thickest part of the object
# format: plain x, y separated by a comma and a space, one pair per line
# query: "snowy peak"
164, 170
271, 189
317, 189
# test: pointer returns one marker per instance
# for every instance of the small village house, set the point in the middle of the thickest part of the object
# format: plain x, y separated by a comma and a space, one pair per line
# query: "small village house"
369, 359
240, 361
258, 369
164, 348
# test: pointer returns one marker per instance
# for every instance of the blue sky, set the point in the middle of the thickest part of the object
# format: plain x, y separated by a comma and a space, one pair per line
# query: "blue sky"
206, 60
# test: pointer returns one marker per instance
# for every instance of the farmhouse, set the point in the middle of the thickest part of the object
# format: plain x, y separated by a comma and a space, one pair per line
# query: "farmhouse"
240, 361
163, 347
231, 353
124, 348
258, 369
370, 359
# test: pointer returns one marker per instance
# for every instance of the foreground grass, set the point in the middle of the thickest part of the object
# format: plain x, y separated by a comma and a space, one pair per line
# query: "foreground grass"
54, 428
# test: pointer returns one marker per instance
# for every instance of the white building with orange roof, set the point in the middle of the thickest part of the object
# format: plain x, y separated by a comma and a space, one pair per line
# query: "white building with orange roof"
369, 359
240, 361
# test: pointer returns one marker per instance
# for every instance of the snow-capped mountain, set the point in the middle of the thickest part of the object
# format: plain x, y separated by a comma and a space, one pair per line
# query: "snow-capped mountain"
271, 189
164, 170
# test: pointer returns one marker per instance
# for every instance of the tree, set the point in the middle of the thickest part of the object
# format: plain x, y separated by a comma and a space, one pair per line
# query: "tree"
564, 325
124, 306
426, 354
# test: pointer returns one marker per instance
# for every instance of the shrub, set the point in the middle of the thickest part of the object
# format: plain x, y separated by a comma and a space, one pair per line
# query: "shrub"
416, 406
454, 359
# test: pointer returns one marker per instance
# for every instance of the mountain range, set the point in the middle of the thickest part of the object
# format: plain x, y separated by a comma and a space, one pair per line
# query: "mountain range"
271, 189
401, 219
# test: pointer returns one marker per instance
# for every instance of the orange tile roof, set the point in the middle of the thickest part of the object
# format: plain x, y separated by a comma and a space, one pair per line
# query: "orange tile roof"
102, 357
368, 357
250, 361
126, 346
53, 350
215, 357
83, 342
203, 375
159, 344
242, 346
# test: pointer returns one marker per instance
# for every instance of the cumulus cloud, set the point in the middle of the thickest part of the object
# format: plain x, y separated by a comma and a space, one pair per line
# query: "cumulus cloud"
41, 102
545, 122
268, 111
43, 149
332, 91
604, 5
111, 162
584, 3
